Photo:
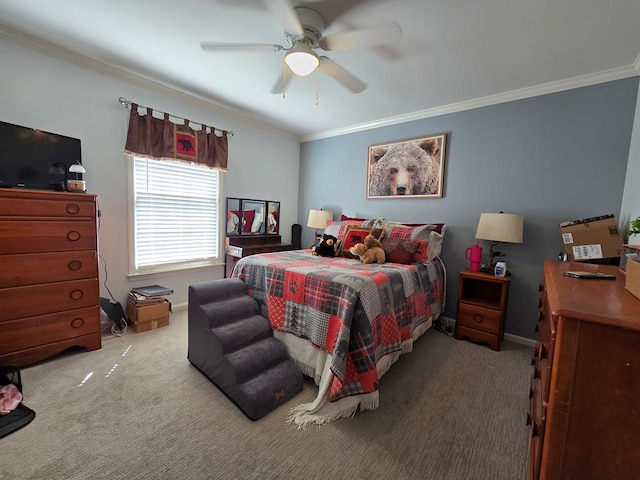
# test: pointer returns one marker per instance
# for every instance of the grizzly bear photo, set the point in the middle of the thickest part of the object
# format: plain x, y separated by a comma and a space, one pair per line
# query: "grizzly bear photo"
406, 168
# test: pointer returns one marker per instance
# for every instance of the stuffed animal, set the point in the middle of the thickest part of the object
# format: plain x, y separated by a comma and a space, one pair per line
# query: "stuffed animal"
369, 251
326, 247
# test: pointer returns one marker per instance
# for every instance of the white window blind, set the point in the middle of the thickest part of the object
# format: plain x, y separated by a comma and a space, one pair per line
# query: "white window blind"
175, 214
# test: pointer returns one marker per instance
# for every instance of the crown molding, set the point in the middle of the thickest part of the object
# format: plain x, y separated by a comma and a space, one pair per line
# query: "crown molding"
138, 80
543, 89
233, 112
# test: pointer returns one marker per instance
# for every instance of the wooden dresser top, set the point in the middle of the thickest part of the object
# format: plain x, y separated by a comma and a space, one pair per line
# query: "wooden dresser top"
594, 300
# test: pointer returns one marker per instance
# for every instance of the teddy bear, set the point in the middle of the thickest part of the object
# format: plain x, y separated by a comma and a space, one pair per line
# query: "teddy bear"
369, 251
326, 247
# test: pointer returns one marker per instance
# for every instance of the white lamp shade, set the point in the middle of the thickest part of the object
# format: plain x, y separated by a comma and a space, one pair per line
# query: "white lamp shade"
319, 218
77, 168
500, 227
302, 60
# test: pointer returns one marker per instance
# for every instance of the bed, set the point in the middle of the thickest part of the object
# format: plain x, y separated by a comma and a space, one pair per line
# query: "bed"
345, 323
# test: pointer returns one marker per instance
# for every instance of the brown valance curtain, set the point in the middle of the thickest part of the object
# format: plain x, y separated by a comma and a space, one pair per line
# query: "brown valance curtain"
161, 139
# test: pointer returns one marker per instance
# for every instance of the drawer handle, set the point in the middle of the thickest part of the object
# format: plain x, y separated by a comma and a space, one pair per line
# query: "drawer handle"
531, 393
536, 373
478, 318
533, 360
72, 208
77, 322
76, 294
73, 236
541, 315
537, 329
540, 287
75, 265
539, 303
528, 419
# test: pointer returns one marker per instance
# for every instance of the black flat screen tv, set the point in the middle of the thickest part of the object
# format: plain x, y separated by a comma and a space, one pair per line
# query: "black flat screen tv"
31, 158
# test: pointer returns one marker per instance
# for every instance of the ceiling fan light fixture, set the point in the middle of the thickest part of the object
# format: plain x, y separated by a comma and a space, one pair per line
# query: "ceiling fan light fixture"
302, 60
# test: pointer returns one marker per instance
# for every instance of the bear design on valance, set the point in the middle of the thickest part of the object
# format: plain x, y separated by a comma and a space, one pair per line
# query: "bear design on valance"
161, 139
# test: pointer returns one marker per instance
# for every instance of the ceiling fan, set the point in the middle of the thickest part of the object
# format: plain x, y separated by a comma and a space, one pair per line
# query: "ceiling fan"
303, 30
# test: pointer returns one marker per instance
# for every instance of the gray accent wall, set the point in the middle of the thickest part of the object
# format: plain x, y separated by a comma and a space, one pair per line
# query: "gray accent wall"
551, 158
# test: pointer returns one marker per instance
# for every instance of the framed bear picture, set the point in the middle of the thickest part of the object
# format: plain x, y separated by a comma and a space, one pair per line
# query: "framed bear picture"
411, 168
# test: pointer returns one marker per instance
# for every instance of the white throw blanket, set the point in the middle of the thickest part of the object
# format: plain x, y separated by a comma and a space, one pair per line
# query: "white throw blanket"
311, 360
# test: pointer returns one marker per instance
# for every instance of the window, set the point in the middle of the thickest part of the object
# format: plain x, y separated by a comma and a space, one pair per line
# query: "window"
175, 215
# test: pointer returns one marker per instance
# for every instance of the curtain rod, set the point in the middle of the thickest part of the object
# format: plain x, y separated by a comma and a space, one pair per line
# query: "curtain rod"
128, 103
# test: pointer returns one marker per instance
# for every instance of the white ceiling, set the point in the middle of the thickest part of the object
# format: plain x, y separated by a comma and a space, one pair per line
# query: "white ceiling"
454, 53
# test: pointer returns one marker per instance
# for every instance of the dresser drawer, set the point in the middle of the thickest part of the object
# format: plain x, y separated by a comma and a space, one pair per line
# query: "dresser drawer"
46, 236
34, 331
479, 318
33, 268
27, 301
34, 204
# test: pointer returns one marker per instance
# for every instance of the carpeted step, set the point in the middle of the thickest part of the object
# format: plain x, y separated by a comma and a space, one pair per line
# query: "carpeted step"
231, 309
272, 387
257, 357
234, 347
242, 332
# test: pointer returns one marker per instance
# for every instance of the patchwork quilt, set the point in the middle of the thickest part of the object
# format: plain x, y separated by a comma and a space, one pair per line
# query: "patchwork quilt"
356, 313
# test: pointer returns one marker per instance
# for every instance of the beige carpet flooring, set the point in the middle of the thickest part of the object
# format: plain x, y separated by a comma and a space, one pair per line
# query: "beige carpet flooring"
137, 409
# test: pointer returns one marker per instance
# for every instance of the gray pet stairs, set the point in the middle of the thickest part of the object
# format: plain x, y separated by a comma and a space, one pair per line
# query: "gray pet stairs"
233, 346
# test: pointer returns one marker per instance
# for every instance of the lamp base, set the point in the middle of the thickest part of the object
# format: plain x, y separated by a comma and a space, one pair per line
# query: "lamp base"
78, 186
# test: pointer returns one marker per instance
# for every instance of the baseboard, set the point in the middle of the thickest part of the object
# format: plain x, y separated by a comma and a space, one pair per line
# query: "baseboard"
450, 323
509, 337
178, 307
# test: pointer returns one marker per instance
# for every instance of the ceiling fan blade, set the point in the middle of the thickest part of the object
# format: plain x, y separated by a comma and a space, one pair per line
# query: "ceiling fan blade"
285, 12
364, 37
342, 76
283, 81
239, 47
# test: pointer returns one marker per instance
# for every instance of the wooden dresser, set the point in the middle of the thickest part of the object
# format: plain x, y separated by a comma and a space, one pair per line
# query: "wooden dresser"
239, 246
585, 387
49, 288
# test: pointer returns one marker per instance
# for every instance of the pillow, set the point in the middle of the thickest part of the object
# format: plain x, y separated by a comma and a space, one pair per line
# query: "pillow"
338, 229
356, 234
436, 227
257, 223
429, 237
343, 218
232, 222
403, 232
247, 222
399, 251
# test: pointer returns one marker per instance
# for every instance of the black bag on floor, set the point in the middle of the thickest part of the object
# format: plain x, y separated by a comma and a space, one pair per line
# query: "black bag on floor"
21, 415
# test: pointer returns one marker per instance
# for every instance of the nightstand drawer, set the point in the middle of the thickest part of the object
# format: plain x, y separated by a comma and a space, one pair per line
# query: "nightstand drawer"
479, 318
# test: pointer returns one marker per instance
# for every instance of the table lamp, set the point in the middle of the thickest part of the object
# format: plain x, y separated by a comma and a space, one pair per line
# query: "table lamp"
499, 227
318, 219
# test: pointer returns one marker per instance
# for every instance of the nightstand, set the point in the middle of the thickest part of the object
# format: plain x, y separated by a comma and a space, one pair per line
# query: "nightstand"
482, 305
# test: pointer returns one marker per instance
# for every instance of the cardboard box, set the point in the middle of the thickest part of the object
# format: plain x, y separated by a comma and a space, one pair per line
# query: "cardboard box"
629, 252
148, 317
632, 283
591, 238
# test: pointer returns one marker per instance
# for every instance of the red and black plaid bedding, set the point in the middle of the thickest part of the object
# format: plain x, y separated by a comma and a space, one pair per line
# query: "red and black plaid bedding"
357, 313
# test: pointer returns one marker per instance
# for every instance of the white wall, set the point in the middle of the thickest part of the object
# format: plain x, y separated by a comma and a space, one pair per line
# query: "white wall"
631, 199
40, 90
